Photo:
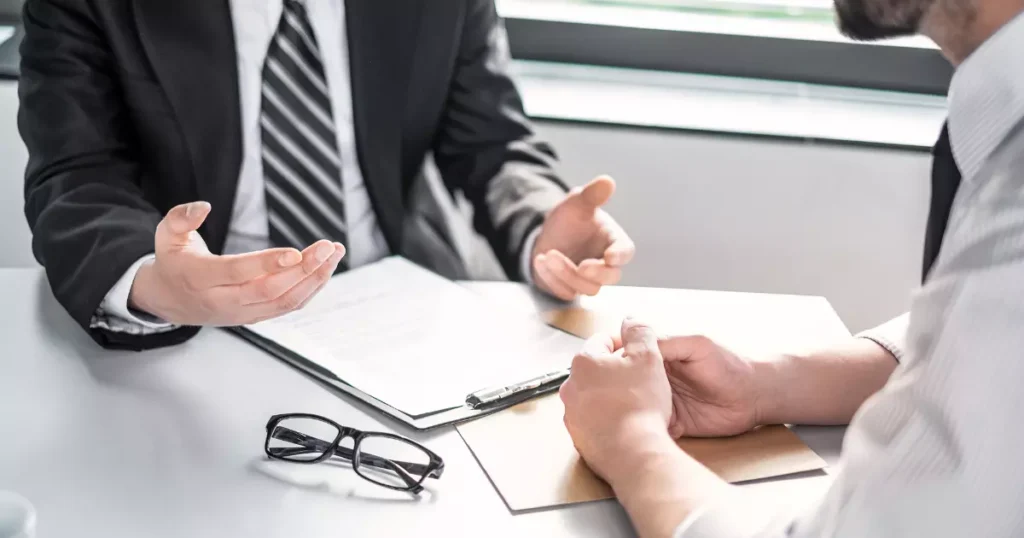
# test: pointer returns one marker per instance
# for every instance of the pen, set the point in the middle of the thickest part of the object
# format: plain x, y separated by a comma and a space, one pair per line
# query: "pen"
491, 395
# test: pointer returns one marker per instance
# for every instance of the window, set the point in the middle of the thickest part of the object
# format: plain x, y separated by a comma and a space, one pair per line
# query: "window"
811, 9
791, 40
805, 10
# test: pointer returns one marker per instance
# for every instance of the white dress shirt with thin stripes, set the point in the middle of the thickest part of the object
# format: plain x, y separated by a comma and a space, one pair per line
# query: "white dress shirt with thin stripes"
939, 451
255, 22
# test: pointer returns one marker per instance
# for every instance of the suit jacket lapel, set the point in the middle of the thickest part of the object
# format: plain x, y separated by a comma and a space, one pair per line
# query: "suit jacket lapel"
380, 37
191, 47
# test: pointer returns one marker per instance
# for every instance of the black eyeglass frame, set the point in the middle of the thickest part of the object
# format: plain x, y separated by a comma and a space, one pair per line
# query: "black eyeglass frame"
331, 449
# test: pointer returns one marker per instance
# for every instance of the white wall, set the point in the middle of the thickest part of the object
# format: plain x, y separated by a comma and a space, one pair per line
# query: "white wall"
705, 211
15, 247
757, 215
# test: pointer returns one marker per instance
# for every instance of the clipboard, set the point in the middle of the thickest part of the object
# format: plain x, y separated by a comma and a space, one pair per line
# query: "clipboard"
448, 417
491, 398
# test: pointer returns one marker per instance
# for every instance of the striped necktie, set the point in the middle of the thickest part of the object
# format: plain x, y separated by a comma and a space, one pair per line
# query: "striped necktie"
301, 161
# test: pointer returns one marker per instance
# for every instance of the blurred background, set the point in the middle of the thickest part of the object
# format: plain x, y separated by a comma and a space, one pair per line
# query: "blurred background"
755, 148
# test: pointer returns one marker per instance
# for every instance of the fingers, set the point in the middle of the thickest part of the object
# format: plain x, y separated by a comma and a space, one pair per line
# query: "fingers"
598, 345
593, 355
640, 342
305, 290
620, 251
320, 287
599, 272
332, 266
241, 268
272, 286
567, 273
597, 193
551, 281
299, 294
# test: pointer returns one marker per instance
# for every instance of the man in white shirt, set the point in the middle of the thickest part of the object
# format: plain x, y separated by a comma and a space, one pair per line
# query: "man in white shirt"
204, 162
934, 443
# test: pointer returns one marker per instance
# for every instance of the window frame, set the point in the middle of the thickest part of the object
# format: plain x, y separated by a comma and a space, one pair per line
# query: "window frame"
827, 62
10, 15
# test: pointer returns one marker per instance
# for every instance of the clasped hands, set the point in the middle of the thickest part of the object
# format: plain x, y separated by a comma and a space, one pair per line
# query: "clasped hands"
631, 395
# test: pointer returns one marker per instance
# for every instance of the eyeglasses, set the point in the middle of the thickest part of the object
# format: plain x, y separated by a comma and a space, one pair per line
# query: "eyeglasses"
385, 459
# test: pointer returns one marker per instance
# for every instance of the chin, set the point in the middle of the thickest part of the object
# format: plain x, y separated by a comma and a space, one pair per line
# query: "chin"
854, 21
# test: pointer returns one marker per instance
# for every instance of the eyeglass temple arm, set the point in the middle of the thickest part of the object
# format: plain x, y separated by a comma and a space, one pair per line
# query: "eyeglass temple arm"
312, 444
307, 444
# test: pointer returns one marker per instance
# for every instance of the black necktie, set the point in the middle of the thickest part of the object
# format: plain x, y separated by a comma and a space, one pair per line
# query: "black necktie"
945, 182
301, 162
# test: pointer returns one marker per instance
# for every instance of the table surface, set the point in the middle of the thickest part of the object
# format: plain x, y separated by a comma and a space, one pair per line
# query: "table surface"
170, 442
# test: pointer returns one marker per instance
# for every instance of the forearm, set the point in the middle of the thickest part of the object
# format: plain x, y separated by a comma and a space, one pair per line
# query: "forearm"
512, 186
89, 216
662, 485
486, 146
822, 387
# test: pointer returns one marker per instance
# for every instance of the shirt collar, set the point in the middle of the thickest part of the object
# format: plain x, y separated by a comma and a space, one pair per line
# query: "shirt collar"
986, 97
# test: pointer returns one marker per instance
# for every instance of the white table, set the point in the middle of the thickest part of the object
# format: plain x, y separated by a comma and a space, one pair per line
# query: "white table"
169, 443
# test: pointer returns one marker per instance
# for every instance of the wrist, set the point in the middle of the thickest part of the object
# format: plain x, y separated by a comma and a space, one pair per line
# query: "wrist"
665, 487
640, 444
145, 292
528, 254
769, 392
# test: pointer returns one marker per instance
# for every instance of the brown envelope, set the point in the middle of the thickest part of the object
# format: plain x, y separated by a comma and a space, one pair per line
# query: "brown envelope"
529, 456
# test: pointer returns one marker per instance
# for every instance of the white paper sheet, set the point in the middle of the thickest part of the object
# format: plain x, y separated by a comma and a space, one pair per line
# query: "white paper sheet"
414, 340
5, 33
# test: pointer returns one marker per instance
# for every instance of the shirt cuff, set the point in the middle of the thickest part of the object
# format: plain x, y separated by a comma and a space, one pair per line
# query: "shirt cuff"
892, 335
526, 258
114, 314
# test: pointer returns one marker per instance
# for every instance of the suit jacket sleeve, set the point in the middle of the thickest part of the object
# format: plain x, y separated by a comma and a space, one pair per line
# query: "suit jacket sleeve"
89, 219
487, 146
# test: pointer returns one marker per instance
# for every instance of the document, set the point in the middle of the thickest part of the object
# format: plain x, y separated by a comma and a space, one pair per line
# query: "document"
415, 340
5, 33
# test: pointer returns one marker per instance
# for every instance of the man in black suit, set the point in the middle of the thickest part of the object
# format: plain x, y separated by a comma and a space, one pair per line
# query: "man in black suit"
213, 162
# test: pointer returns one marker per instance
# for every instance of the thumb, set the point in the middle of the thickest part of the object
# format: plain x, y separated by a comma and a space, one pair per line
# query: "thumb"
185, 218
639, 341
683, 348
597, 193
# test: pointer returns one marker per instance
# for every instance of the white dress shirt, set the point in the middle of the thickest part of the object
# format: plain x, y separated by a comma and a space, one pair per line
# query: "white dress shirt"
255, 23
939, 451
892, 335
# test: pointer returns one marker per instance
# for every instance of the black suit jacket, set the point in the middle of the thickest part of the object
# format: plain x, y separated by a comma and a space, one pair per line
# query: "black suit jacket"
129, 107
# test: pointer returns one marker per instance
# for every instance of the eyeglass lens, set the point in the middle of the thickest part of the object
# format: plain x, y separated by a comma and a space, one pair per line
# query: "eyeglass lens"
301, 438
391, 462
